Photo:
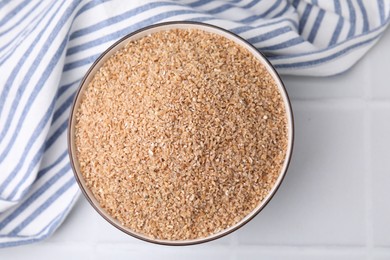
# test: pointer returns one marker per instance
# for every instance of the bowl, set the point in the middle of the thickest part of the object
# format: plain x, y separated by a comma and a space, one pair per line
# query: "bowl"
145, 32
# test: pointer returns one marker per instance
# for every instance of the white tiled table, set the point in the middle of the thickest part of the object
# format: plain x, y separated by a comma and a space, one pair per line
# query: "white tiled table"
334, 203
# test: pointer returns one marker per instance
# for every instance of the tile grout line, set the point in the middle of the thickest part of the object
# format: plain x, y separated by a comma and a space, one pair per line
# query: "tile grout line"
368, 163
368, 182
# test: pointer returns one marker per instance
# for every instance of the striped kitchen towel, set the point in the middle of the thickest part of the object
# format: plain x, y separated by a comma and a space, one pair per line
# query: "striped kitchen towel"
46, 47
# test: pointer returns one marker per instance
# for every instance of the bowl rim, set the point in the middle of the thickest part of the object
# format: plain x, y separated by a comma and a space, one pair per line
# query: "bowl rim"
246, 219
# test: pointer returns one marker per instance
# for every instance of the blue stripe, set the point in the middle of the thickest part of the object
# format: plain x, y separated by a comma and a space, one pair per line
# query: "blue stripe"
269, 35
27, 237
60, 130
295, 3
201, 19
352, 19
36, 133
113, 36
118, 18
45, 170
122, 17
272, 8
41, 190
8, 17
380, 29
256, 17
46, 73
92, 58
63, 107
381, 8
110, 37
199, 3
26, 29
24, 33
43, 207
23, 18
245, 28
4, 3
316, 26
90, 5
325, 59
39, 86
26, 240
79, 63
251, 4
242, 29
36, 159
336, 33
123, 32
283, 11
220, 9
5, 58
337, 6
83, 62
50, 141
305, 16
64, 88
16, 70
203, 2
84, 8
49, 229
314, 2
365, 16
340, 23
283, 45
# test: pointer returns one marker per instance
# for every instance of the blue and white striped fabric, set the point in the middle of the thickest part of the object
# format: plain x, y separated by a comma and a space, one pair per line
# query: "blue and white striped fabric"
46, 47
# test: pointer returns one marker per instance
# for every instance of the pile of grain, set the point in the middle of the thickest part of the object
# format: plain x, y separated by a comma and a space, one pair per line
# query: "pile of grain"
181, 134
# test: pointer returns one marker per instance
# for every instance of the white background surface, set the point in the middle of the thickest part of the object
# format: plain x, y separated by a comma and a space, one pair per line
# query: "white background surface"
335, 200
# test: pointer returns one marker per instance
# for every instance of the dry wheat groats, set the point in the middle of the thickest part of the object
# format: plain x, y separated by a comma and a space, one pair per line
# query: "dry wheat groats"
181, 134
